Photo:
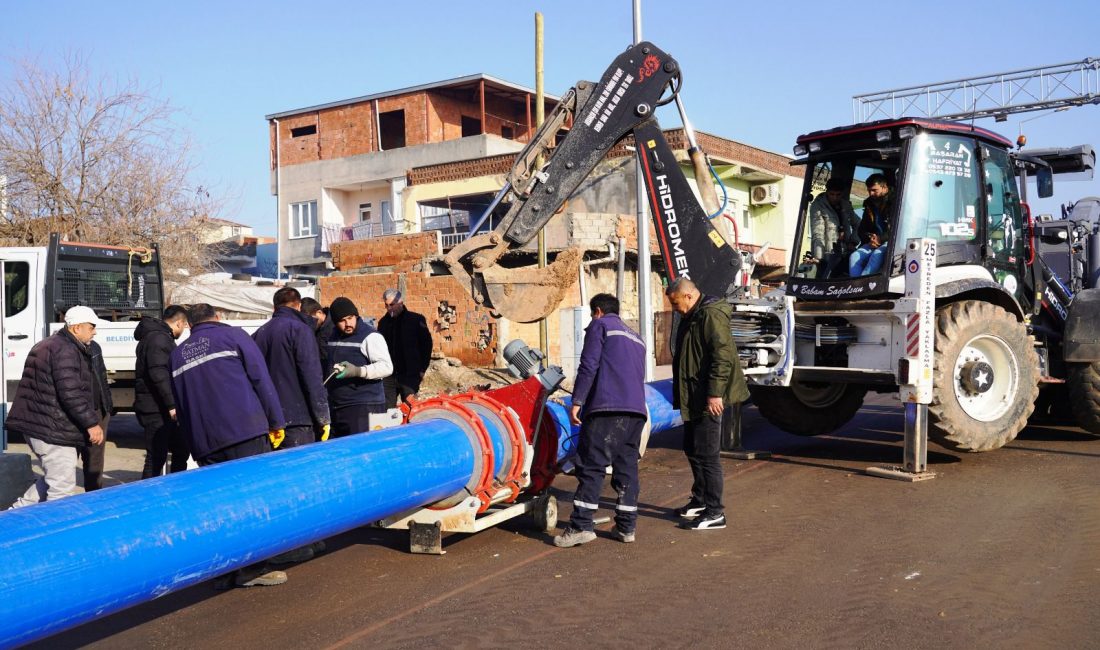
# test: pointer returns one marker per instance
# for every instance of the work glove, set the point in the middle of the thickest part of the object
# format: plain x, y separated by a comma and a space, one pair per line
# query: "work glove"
348, 370
325, 430
276, 437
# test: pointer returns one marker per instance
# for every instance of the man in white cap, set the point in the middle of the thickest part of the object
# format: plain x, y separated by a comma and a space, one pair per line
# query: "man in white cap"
55, 405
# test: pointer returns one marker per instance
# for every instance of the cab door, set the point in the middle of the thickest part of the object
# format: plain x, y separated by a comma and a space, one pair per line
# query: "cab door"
1004, 224
21, 309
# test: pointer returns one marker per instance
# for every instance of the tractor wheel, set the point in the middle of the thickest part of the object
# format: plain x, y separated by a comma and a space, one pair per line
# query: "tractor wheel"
1084, 395
985, 378
809, 408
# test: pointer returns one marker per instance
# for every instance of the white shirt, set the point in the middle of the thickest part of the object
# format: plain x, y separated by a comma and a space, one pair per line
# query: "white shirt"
378, 355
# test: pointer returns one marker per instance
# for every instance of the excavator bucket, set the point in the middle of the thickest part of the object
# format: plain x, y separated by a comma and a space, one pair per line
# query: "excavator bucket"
530, 293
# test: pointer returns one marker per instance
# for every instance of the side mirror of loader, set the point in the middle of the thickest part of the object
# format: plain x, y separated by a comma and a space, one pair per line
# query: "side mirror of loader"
1044, 182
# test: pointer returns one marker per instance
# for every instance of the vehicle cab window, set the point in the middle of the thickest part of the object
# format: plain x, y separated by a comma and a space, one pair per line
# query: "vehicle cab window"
941, 195
16, 285
830, 231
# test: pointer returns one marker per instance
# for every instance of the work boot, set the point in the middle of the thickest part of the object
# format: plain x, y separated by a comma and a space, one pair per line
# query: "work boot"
623, 536
260, 577
572, 537
293, 556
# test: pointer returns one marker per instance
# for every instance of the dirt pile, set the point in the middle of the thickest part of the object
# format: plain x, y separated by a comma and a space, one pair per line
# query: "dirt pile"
448, 375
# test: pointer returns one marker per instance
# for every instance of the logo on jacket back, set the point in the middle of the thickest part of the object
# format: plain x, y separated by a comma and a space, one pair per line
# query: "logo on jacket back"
195, 348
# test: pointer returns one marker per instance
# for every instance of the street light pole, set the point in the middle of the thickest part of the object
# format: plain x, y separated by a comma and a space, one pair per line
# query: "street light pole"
645, 309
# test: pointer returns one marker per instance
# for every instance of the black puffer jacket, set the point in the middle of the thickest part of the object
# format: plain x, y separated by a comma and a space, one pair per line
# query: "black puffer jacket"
152, 371
102, 400
55, 401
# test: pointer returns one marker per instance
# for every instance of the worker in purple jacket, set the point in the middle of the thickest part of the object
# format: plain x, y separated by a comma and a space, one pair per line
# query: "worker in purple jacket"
609, 405
225, 400
290, 349
227, 407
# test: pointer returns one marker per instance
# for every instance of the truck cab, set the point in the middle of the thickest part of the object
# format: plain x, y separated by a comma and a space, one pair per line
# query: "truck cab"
120, 283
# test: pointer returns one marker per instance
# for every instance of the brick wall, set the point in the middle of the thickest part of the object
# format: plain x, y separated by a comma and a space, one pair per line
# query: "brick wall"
457, 171
460, 327
432, 116
713, 145
384, 251
346, 131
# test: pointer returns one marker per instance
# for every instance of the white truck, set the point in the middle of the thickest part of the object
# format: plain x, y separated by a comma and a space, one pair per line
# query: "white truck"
121, 284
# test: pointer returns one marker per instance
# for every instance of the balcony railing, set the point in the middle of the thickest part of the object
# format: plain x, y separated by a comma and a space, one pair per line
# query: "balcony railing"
450, 240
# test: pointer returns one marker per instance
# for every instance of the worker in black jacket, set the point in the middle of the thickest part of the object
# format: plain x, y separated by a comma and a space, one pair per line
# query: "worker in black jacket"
323, 328
92, 457
154, 404
54, 407
410, 345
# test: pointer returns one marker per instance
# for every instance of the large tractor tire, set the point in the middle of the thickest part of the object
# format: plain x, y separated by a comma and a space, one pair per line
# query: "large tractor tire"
985, 377
809, 408
1084, 395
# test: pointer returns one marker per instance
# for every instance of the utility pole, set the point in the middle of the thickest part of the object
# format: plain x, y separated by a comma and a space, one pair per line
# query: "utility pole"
540, 115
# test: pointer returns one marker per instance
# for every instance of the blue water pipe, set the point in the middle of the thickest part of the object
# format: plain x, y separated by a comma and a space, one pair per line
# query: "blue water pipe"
71, 561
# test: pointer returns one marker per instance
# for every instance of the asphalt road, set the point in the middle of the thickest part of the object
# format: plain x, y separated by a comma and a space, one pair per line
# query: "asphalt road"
1000, 550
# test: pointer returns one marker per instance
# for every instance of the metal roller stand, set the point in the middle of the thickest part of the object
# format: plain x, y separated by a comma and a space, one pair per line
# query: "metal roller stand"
730, 442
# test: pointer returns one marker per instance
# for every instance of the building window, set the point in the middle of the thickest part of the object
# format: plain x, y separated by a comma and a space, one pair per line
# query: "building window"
507, 133
303, 219
391, 128
470, 126
303, 130
364, 212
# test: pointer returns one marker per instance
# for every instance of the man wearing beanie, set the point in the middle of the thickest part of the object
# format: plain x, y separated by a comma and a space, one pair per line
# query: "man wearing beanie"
360, 356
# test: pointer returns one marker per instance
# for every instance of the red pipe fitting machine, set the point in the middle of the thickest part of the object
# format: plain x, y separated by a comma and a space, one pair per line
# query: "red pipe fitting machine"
516, 439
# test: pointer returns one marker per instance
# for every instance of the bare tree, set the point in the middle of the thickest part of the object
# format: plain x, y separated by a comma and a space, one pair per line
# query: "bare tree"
98, 161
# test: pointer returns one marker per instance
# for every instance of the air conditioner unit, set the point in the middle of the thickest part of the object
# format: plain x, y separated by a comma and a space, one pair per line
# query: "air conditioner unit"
765, 194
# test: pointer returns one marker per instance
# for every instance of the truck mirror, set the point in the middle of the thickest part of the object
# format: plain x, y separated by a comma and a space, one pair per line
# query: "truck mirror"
1044, 182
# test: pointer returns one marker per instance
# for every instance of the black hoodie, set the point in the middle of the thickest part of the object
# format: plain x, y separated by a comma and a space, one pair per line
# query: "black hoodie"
152, 370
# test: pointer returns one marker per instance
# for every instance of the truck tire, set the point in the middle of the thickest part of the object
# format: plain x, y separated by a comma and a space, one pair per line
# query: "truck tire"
1084, 395
985, 377
809, 408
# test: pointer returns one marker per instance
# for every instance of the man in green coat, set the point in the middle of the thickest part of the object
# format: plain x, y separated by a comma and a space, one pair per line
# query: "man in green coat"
706, 378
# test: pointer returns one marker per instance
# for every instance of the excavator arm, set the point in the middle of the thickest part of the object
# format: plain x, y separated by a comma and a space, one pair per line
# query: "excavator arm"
601, 114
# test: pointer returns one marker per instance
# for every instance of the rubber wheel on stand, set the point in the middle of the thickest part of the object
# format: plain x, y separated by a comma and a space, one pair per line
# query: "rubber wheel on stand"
545, 513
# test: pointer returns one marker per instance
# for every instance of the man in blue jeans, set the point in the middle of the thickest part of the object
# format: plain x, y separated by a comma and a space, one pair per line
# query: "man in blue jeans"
874, 229
609, 405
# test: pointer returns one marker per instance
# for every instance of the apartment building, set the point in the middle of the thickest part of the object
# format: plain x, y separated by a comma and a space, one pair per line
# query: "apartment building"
340, 169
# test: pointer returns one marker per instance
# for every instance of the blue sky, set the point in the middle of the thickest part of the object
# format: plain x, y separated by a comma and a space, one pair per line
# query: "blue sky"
761, 72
